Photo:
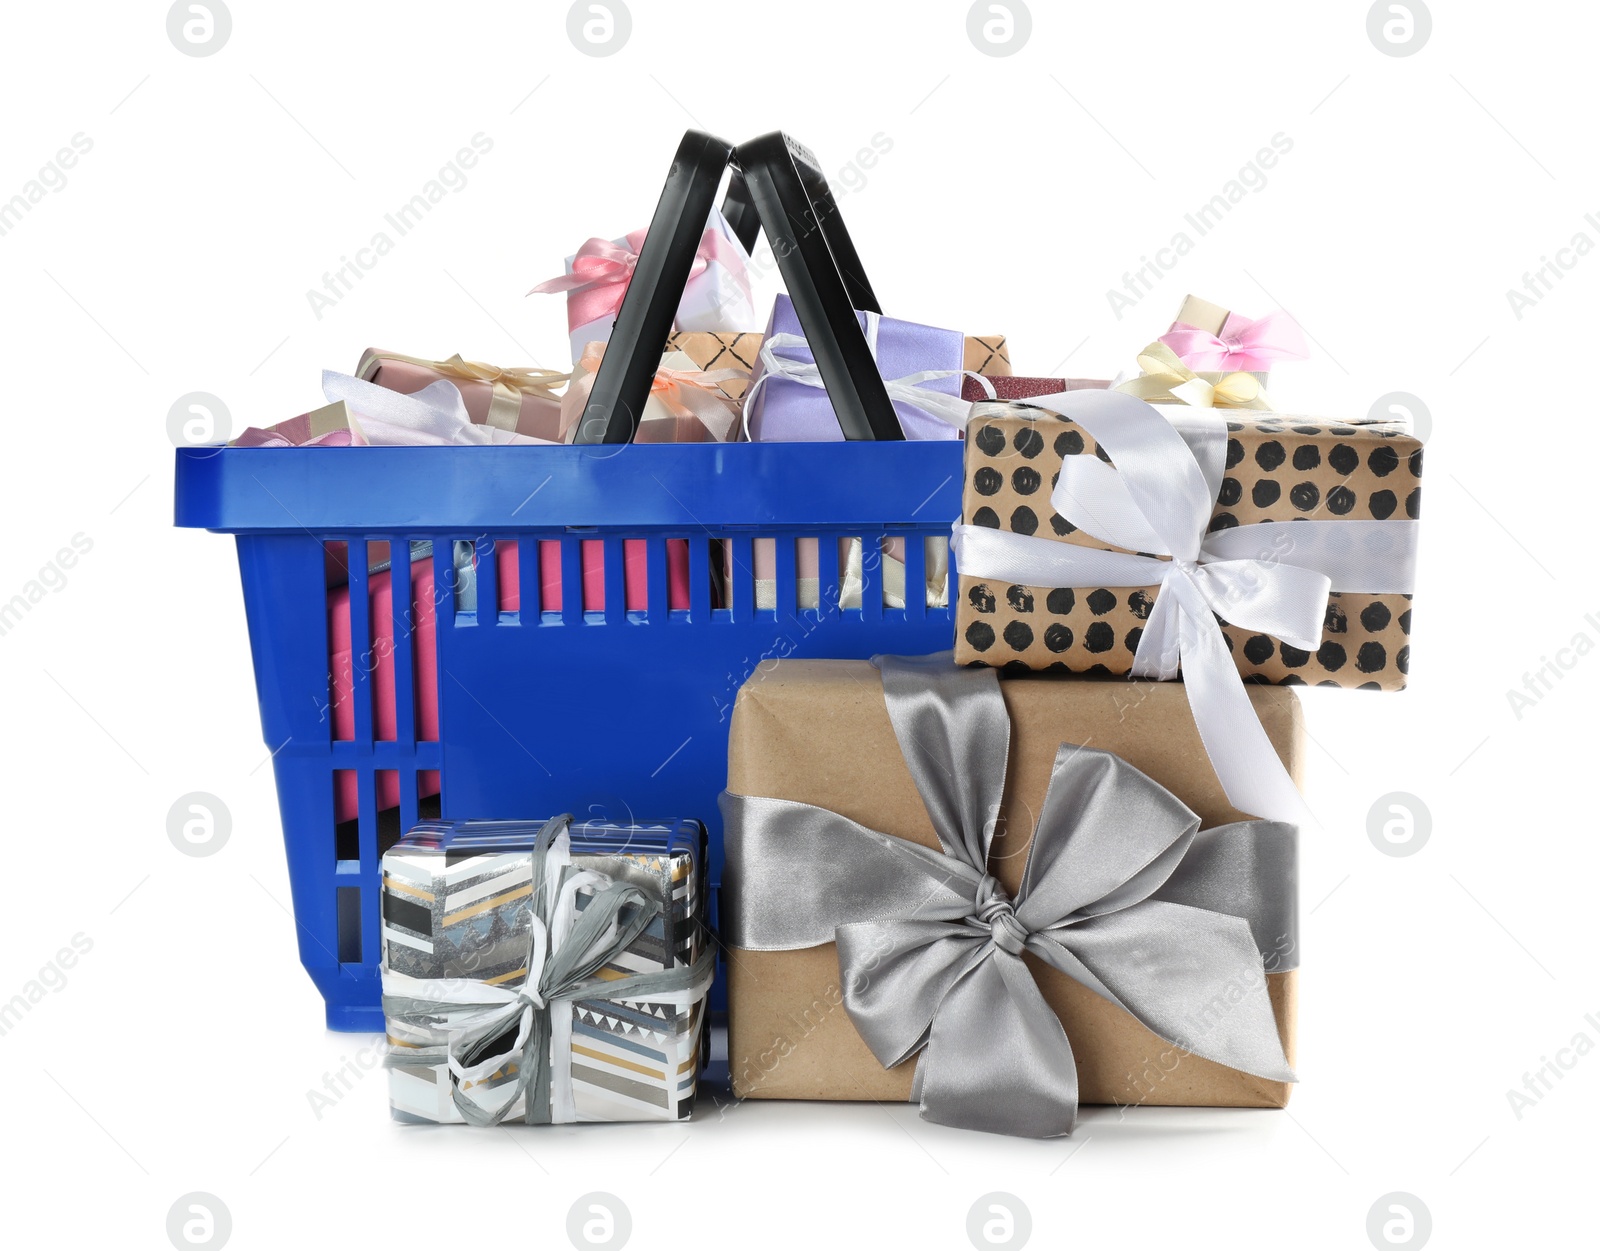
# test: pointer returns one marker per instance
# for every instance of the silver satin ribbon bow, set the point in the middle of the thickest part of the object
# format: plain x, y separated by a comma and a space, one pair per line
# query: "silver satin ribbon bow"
1273, 578
1122, 892
507, 1031
912, 389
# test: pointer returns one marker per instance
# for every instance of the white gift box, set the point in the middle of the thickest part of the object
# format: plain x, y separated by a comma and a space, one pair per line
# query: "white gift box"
717, 296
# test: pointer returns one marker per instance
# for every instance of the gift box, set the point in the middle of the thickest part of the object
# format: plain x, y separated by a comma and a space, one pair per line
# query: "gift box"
986, 354
1007, 387
716, 296
845, 780
1208, 337
1274, 469
714, 351
922, 368
1104, 535
685, 403
328, 426
522, 401
379, 657
548, 973
811, 595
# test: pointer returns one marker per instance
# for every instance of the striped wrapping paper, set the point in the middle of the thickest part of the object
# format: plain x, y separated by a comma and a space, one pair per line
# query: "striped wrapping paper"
455, 906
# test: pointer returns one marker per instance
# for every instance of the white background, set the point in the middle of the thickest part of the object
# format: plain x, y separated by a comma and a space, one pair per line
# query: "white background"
179, 1053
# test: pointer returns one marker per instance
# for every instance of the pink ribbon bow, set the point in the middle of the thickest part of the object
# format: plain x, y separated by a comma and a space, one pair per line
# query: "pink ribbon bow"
601, 271
1243, 344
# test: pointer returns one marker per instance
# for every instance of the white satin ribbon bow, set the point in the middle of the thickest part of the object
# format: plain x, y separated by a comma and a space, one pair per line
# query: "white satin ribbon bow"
1273, 577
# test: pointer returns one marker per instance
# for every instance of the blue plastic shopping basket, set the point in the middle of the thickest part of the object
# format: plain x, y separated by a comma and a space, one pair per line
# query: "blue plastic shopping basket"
617, 713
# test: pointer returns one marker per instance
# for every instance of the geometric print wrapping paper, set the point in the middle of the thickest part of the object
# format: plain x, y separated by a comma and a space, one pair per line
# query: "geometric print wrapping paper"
739, 350
455, 905
1278, 468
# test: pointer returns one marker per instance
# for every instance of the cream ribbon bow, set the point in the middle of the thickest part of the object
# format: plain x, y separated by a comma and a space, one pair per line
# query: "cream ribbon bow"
1165, 377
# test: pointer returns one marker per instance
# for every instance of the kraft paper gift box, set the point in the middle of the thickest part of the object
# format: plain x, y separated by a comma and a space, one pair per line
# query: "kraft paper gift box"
818, 732
987, 354
738, 350
522, 401
685, 403
1276, 468
459, 906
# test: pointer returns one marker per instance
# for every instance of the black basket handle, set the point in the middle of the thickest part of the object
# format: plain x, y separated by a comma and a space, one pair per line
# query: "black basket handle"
739, 209
825, 279
622, 385
777, 186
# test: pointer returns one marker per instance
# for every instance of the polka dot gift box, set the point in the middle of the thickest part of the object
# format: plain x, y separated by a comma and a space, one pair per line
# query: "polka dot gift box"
1265, 468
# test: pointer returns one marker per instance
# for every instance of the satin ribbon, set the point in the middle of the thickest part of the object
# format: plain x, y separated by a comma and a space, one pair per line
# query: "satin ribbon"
434, 415
602, 269
686, 395
1165, 377
1241, 344
495, 1033
1121, 892
507, 386
911, 389
1272, 577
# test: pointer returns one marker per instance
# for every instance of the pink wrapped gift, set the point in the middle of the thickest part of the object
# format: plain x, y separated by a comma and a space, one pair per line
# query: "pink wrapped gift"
522, 401
328, 426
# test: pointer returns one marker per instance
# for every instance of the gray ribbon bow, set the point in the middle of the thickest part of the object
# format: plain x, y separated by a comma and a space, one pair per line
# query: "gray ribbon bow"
1121, 892
513, 1025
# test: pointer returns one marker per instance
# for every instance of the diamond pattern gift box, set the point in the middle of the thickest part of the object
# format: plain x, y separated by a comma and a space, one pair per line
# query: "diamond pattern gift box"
459, 921
738, 350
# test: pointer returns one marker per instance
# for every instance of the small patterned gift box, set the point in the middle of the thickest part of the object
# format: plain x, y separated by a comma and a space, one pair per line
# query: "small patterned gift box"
549, 972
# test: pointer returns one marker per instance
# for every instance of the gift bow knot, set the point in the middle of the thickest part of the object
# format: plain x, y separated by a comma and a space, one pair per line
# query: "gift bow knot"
1155, 501
599, 263
1165, 377
1242, 344
602, 269
994, 909
1119, 893
503, 1038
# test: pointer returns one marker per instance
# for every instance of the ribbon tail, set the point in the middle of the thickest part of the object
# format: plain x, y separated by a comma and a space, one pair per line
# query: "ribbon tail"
997, 1058
1247, 765
1193, 978
893, 975
475, 1060
505, 407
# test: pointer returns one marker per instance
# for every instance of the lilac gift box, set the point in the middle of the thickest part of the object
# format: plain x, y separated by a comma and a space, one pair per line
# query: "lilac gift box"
783, 410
